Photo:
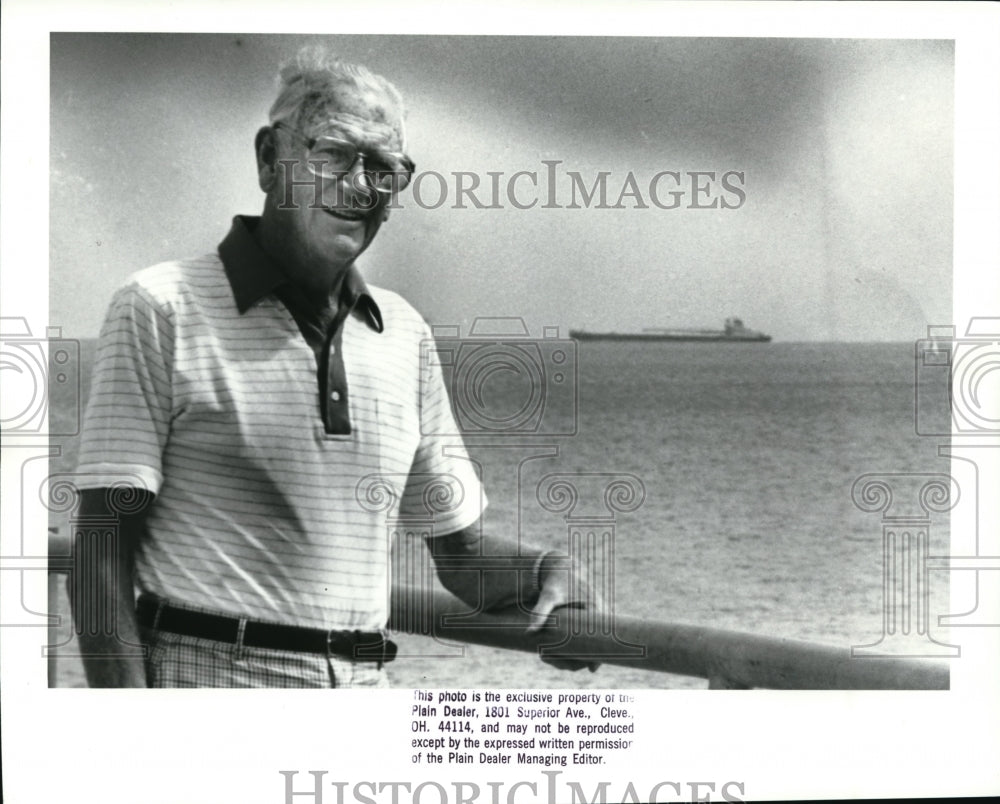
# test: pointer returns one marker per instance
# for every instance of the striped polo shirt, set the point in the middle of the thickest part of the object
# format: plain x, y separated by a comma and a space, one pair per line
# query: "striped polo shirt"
269, 503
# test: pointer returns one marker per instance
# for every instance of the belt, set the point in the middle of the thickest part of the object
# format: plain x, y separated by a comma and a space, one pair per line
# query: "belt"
364, 646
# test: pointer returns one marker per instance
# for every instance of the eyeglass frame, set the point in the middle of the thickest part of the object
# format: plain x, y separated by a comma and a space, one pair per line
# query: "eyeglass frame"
408, 164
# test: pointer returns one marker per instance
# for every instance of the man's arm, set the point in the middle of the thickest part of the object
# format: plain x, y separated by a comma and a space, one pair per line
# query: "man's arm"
507, 577
103, 587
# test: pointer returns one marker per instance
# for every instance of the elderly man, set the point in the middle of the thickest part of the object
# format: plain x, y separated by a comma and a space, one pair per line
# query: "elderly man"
239, 398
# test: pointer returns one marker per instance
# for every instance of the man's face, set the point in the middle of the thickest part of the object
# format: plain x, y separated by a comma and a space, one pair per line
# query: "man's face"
328, 222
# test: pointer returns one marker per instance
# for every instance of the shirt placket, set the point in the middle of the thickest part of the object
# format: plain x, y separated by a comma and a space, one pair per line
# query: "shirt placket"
332, 377
326, 344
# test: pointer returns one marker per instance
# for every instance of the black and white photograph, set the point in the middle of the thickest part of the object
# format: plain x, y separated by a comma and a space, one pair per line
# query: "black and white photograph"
585, 231
618, 398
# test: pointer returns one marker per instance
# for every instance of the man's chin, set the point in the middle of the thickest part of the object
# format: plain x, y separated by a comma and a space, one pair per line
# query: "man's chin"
340, 250
337, 241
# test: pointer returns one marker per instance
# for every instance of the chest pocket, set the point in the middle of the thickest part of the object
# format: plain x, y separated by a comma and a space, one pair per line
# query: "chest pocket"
399, 437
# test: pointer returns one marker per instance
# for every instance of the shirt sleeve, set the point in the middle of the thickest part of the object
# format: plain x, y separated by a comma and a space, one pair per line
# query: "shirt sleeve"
444, 483
127, 421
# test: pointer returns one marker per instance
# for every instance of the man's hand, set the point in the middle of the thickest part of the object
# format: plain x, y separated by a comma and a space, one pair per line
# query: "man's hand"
563, 585
559, 586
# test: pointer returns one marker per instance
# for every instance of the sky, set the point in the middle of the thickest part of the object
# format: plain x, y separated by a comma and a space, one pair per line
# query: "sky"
841, 150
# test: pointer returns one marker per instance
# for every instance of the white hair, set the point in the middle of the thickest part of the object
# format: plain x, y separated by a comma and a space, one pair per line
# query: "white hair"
312, 84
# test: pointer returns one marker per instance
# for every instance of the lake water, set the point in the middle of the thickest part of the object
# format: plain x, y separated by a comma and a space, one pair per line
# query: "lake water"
746, 455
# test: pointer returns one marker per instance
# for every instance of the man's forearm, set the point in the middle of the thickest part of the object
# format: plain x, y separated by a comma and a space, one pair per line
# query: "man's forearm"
115, 659
486, 571
103, 597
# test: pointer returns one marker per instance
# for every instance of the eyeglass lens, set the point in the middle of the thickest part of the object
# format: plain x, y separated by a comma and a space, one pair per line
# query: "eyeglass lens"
333, 159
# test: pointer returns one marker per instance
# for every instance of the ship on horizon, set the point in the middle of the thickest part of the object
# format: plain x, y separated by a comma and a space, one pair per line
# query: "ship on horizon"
733, 332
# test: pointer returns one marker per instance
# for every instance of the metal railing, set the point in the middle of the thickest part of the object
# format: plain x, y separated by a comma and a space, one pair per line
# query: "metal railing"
727, 659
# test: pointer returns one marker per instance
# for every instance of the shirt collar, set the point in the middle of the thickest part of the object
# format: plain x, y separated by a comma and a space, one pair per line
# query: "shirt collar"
252, 274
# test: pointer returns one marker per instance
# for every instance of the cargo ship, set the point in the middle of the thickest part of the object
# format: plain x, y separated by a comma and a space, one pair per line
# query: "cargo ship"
733, 332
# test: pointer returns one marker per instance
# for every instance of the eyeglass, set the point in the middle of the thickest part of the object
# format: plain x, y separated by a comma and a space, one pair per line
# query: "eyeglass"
332, 158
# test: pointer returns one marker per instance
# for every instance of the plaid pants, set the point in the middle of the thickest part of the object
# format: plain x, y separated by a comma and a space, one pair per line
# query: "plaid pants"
176, 660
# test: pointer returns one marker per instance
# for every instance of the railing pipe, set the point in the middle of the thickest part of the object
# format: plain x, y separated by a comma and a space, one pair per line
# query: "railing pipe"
728, 659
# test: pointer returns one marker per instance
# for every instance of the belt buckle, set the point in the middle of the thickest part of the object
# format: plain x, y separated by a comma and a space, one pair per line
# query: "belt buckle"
349, 644
343, 643
331, 648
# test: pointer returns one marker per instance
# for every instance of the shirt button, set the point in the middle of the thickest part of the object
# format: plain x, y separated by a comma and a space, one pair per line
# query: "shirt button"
335, 396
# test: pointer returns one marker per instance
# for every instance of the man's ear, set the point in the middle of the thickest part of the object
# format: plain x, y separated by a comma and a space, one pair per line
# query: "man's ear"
267, 158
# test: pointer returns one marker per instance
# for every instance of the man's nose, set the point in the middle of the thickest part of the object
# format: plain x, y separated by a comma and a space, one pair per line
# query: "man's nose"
359, 191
